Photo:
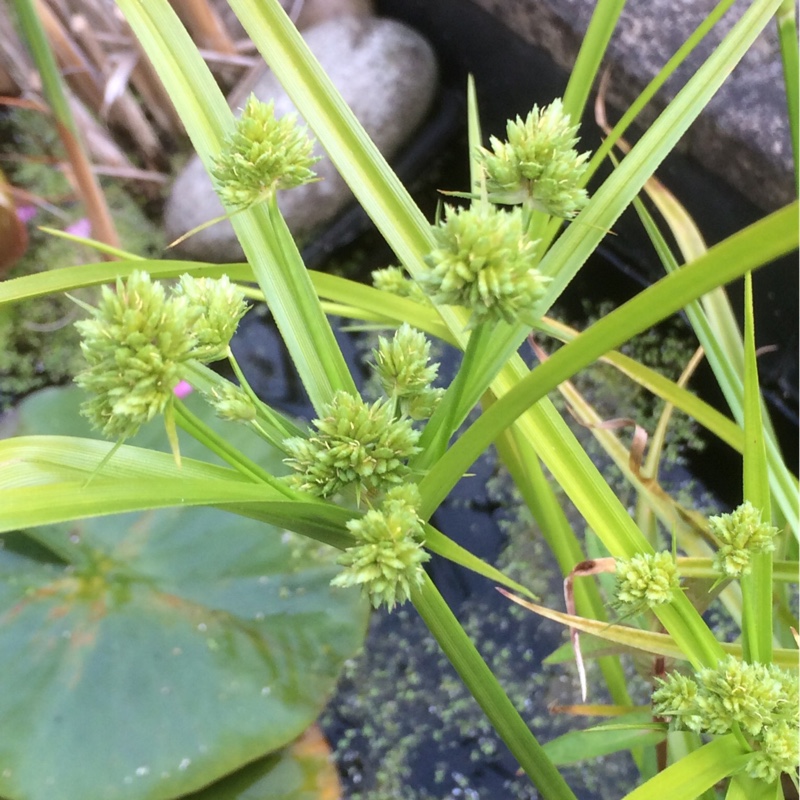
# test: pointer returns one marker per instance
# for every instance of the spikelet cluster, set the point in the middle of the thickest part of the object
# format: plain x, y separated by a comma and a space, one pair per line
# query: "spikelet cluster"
395, 281
262, 155
356, 445
386, 561
406, 373
760, 700
138, 337
538, 165
231, 403
484, 261
740, 534
644, 581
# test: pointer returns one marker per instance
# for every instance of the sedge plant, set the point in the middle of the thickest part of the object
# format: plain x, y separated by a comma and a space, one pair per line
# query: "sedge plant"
366, 477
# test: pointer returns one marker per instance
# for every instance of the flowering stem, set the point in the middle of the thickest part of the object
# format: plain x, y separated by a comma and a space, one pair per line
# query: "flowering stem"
270, 425
217, 444
486, 689
262, 409
736, 730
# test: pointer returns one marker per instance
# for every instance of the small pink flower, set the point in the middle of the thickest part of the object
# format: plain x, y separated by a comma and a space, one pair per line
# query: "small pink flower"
81, 228
182, 390
26, 213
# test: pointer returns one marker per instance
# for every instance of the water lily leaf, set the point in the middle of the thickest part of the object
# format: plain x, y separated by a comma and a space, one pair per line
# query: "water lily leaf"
302, 771
56, 411
146, 655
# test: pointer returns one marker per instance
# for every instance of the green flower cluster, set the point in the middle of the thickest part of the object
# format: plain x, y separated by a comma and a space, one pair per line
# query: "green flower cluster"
394, 281
538, 165
139, 336
484, 261
387, 559
405, 372
761, 701
231, 403
219, 306
740, 534
644, 581
262, 155
356, 445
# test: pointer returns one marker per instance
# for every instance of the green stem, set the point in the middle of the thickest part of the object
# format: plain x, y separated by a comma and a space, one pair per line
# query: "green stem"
486, 689
526, 470
207, 436
786, 20
272, 425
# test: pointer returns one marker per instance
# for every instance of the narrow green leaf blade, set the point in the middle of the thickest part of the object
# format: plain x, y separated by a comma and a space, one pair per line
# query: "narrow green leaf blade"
261, 232
696, 772
757, 585
625, 733
581, 238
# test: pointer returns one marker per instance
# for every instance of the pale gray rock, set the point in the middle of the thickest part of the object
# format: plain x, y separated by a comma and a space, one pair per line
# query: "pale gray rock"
742, 135
304, 13
386, 73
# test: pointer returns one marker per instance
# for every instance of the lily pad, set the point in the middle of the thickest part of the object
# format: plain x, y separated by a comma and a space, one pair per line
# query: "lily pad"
302, 771
144, 656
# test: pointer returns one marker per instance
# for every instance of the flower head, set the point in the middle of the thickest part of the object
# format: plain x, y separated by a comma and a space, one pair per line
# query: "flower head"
231, 403
221, 306
133, 345
779, 752
387, 559
740, 534
262, 155
356, 444
738, 692
760, 700
403, 368
395, 281
538, 164
676, 696
137, 339
484, 261
646, 580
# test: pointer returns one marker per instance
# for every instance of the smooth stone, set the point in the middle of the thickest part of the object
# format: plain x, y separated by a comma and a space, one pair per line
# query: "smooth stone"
387, 74
742, 135
304, 13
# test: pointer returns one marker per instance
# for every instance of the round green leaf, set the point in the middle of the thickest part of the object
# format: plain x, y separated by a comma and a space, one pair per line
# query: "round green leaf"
303, 771
159, 651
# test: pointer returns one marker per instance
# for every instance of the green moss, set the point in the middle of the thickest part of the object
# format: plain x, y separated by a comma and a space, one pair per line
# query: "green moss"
38, 343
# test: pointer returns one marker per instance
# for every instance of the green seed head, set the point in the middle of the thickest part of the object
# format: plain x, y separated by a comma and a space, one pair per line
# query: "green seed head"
779, 752
740, 534
403, 368
757, 699
220, 306
356, 445
644, 581
537, 165
138, 337
738, 692
387, 559
484, 261
232, 403
395, 281
261, 156
133, 344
